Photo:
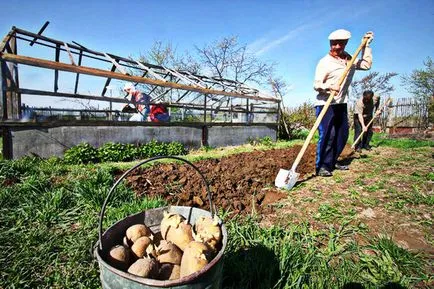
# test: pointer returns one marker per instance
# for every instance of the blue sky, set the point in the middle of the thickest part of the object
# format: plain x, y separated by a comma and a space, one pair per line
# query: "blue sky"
293, 34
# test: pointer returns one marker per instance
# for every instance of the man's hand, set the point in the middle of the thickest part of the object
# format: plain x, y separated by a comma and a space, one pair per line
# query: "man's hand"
335, 87
365, 128
370, 36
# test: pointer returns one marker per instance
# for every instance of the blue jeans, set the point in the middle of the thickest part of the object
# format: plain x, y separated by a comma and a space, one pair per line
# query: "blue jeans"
333, 135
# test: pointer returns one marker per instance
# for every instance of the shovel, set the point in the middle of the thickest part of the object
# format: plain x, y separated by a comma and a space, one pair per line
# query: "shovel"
287, 178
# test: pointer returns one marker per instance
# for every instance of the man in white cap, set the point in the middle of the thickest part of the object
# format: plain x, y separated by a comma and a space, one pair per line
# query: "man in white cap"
140, 101
334, 128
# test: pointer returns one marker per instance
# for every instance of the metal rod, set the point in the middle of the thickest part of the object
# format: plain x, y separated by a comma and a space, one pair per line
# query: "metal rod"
40, 32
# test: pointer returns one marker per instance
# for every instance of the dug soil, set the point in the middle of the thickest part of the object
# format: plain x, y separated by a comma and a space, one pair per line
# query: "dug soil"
241, 183
379, 195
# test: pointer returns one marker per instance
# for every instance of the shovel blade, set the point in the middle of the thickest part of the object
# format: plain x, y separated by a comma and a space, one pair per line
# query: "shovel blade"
286, 179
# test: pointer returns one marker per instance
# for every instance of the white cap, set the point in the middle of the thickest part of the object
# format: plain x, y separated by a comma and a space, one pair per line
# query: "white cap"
340, 34
129, 85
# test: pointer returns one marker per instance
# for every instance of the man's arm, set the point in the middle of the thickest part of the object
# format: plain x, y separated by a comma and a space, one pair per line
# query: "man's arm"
320, 81
362, 122
365, 62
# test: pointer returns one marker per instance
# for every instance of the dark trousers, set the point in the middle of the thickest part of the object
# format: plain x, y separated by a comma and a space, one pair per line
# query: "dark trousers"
333, 135
366, 138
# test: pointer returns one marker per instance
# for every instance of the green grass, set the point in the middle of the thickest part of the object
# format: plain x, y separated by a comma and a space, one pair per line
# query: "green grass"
49, 220
300, 257
402, 143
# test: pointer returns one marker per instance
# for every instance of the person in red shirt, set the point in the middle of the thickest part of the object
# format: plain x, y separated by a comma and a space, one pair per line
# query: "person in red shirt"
159, 113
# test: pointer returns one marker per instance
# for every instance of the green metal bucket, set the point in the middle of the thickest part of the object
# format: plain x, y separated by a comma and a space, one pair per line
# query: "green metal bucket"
209, 277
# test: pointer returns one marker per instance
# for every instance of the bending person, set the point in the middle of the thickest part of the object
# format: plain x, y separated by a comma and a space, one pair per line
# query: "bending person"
140, 101
363, 113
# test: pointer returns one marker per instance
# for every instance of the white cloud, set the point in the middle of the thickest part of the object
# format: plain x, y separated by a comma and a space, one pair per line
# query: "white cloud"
322, 16
263, 45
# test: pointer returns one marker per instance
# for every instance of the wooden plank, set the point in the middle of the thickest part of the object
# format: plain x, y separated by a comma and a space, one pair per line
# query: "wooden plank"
69, 53
116, 64
119, 58
78, 74
148, 69
184, 78
5, 42
40, 32
104, 73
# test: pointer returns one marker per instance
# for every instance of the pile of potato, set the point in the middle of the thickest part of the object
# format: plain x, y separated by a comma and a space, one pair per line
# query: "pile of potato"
182, 249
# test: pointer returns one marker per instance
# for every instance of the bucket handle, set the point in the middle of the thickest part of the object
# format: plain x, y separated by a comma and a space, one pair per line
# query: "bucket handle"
101, 216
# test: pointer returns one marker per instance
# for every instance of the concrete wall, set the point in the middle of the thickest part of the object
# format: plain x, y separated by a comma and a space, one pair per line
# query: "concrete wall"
53, 141
219, 136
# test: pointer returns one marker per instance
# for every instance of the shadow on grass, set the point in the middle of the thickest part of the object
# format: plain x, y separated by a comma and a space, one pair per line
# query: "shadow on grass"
254, 267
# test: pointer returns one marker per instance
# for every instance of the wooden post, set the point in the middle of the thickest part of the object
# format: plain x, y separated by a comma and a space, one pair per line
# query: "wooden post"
56, 72
16, 95
204, 108
78, 74
247, 111
7, 143
10, 110
3, 91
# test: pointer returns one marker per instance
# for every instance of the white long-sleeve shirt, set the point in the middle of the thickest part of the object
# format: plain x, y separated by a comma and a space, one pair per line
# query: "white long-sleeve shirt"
330, 69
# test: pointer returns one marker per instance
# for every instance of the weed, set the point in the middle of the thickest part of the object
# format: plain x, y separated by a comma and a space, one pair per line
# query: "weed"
327, 213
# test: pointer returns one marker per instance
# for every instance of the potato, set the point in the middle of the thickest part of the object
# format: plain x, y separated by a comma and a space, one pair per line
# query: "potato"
168, 253
119, 257
175, 229
143, 247
194, 258
208, 231
169, 272
170, 220
145, 267
136, 231
126, 243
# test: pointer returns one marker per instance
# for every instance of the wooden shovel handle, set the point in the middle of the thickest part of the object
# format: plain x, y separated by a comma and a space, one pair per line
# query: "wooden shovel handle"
326, 105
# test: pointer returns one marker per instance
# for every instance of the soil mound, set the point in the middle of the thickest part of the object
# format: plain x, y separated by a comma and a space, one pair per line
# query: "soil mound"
241, 183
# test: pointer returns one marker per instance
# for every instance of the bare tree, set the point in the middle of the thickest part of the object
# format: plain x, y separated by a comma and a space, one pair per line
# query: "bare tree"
229, 59
164, 54
420, 82
378, 83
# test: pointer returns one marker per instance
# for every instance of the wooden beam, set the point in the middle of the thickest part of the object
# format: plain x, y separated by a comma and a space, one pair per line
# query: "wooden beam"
78, 74
69, 53
116, 64
40, 32
5, 42
104, 73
